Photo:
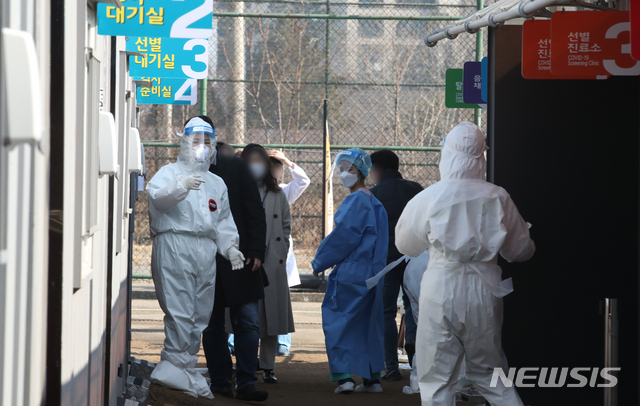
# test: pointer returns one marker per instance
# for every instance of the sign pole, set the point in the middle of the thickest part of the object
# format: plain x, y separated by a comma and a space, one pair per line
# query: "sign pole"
477, 117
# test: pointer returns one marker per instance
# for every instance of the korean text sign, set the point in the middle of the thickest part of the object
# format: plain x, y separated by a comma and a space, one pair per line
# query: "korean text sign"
593, 44
454, 91
168, 57
157, 18
472, 83
168, 91
536, 51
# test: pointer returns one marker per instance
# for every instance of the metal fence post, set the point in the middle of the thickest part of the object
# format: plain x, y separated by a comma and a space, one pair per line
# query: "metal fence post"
203, 97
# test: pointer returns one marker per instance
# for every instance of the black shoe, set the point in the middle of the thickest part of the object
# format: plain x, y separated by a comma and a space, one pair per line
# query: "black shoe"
410, 348
269, 376
228, 394
252, 394
393, 375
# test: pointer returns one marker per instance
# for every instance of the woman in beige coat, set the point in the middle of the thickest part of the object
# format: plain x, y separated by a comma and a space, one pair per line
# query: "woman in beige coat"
275, 314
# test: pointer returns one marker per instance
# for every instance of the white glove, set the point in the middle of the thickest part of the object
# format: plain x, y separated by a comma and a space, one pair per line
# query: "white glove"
192, 182
236, 258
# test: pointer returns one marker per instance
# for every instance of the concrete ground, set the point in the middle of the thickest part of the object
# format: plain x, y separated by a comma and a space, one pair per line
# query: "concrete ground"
303, 377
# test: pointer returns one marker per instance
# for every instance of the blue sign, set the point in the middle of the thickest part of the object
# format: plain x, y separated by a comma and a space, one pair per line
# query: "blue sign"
168, 57
472, 83
157, 18
485, 78
168, 91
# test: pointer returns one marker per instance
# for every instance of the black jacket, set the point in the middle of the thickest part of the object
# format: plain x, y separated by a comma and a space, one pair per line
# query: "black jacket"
394, 193
243, 286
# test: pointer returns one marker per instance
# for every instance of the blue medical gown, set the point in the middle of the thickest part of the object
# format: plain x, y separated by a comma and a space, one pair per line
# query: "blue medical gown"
351, 314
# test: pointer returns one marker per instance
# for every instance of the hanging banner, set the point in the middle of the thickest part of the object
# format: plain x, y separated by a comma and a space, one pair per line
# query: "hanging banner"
634, 20
157, 18
485, 79
591, 44
472, 83
453, 97
168, 91
168, 57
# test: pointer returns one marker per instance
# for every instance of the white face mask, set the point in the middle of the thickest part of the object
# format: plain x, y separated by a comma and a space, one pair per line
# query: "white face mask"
348, 179
202, 152
258, 170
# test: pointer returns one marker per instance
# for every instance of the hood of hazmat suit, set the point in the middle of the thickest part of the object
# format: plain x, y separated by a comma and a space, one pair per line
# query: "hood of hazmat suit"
189, 227
464, 222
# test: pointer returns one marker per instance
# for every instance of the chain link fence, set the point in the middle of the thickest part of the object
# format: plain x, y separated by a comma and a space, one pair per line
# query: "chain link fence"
272, 65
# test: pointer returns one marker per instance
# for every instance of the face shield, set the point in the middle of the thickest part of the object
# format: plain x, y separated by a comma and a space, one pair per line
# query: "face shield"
201, 146
351, 157
197, 149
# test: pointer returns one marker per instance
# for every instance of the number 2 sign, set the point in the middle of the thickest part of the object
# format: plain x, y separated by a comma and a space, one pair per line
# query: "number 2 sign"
592, 44
157, 18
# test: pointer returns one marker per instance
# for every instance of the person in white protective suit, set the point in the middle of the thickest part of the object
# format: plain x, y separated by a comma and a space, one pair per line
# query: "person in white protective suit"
190, 221
465, 222
411, 285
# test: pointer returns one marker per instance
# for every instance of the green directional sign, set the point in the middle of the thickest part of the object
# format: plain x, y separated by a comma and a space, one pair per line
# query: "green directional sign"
453, 91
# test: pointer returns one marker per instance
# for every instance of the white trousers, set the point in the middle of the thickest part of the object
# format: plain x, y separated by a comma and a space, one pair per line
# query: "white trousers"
460, 321
184, 274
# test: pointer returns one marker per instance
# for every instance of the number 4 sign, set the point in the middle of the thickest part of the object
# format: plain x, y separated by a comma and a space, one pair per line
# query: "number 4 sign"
168, 91
593, 44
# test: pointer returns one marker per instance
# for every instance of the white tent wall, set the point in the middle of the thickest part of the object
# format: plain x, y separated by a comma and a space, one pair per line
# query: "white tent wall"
95, 246
24, 226
64, 229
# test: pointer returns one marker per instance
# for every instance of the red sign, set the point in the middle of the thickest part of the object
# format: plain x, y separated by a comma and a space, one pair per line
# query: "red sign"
593, 44
634, 16
536, 51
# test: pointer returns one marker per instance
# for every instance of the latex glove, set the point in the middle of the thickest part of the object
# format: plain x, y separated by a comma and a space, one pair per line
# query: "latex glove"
236, 258
192, 182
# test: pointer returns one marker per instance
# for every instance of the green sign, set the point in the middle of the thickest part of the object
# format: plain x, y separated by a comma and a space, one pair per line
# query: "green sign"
453, 91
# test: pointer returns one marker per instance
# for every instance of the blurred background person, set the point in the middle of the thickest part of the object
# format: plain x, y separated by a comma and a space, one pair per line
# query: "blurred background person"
225, 149
465, 222
275, 314
394, 193
352, 317
238, 291
293, 190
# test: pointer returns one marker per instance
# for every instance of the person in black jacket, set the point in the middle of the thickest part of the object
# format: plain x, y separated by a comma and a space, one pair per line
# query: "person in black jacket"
394, 193
240, 290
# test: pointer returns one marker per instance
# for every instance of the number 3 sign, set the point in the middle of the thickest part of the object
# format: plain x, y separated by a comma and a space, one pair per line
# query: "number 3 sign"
592, 44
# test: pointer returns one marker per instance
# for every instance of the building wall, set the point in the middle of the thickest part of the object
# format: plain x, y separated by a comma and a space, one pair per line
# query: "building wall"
64, 229
567, 152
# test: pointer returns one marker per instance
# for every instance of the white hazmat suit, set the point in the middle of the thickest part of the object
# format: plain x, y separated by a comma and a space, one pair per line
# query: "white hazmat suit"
465, 222
191, 222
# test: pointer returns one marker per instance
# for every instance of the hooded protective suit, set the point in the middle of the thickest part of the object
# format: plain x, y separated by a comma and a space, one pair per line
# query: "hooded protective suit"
465, 222
190, 226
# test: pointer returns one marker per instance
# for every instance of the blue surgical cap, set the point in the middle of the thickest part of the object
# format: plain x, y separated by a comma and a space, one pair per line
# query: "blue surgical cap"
357, 157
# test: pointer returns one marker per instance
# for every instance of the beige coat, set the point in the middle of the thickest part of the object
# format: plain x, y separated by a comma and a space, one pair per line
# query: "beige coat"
275, 313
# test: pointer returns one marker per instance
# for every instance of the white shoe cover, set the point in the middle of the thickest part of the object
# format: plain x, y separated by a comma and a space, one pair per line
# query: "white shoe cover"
346, 387
375, 388
186, 380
